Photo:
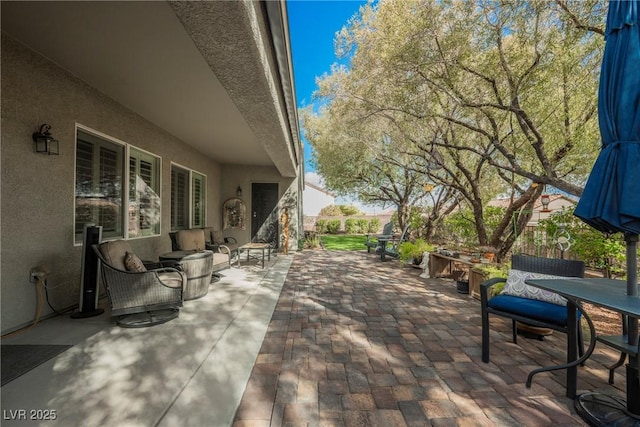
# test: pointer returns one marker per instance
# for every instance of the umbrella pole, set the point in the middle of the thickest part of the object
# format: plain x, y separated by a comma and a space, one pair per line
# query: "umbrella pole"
632, 280
633, 382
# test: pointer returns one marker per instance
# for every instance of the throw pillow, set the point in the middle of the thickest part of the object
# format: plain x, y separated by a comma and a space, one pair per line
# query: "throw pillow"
218, 239
516, 286
133, 263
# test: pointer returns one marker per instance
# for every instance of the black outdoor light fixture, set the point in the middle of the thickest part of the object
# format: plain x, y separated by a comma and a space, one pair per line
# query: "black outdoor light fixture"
239, 191
45, 142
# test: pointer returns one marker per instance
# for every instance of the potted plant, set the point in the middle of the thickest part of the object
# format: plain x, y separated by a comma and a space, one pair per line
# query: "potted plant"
498, 270
462, 281
487, 252
413, 251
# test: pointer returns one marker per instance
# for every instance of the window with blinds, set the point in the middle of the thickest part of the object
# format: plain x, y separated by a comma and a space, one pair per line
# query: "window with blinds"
99, 178
102, 192
144, 194
188, 198
198, 197
179, 198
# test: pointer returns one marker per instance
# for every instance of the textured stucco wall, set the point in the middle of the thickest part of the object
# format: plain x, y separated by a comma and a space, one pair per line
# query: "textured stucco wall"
243, 176
37, 205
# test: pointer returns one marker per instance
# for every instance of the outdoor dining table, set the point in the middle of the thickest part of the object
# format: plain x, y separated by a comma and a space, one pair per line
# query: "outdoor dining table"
610, 294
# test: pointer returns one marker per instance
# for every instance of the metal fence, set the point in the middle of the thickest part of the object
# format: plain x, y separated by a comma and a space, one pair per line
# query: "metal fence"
535, 241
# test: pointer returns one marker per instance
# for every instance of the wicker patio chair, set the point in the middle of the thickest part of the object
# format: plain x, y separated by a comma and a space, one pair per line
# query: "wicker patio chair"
198, 266
138, 298
197, 239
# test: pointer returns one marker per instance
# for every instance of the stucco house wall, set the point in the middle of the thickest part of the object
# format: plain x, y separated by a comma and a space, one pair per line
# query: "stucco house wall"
315, 198
244, 176
38, 191
213, 75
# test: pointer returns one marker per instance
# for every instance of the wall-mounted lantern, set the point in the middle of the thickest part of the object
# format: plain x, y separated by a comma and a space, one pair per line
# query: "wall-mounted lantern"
45, 142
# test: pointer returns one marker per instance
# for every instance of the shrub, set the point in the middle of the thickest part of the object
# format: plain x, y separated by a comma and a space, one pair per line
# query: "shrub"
321, 226
491, 271
312, 241
414, 250
333, 226
363, 225
374, 225
351, 226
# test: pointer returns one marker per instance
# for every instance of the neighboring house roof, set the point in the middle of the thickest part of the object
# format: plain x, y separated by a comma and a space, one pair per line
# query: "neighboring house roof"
316, 198
317, 187
555, 199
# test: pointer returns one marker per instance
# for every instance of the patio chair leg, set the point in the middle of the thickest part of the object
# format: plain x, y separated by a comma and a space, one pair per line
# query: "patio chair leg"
580, 344
485, 337
514, 331
612, 368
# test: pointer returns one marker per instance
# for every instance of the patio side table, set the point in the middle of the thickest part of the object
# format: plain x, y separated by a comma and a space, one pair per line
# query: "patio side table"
253, 246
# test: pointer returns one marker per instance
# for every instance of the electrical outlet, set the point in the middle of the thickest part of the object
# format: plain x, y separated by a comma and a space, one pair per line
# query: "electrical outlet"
37, 273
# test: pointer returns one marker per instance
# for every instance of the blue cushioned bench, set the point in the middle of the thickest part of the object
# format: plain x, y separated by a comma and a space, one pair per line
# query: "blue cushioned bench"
532, 312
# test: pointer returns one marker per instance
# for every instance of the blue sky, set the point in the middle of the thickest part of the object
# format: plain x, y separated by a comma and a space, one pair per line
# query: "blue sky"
312, 27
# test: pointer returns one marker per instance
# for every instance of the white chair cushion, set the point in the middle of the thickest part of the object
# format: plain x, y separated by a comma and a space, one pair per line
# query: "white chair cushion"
516, 286
114, 252
190, 240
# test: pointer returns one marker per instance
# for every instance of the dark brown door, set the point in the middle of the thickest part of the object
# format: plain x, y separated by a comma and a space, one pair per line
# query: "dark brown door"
264, 213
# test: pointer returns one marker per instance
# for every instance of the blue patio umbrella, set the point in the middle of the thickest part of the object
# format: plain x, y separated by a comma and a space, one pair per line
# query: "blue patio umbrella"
611, 198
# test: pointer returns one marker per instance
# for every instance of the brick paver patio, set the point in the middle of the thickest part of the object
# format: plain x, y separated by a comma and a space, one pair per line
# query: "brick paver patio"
357, 342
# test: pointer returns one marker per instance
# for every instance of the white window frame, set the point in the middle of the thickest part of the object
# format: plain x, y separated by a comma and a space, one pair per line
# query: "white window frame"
191, 202
124, 211
158, 173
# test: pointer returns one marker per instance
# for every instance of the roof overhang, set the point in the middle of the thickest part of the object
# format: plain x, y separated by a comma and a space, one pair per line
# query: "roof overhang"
216, 75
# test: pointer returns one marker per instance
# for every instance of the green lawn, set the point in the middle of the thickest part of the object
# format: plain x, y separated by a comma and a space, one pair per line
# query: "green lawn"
344, 242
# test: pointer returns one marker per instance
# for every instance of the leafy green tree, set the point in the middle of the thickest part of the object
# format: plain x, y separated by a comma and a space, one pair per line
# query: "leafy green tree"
504, 91
520, 75
349, 210
331, 210
363, 158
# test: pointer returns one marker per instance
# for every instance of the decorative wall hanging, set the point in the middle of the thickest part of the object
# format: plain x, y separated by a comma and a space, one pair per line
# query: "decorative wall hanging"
234, 214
